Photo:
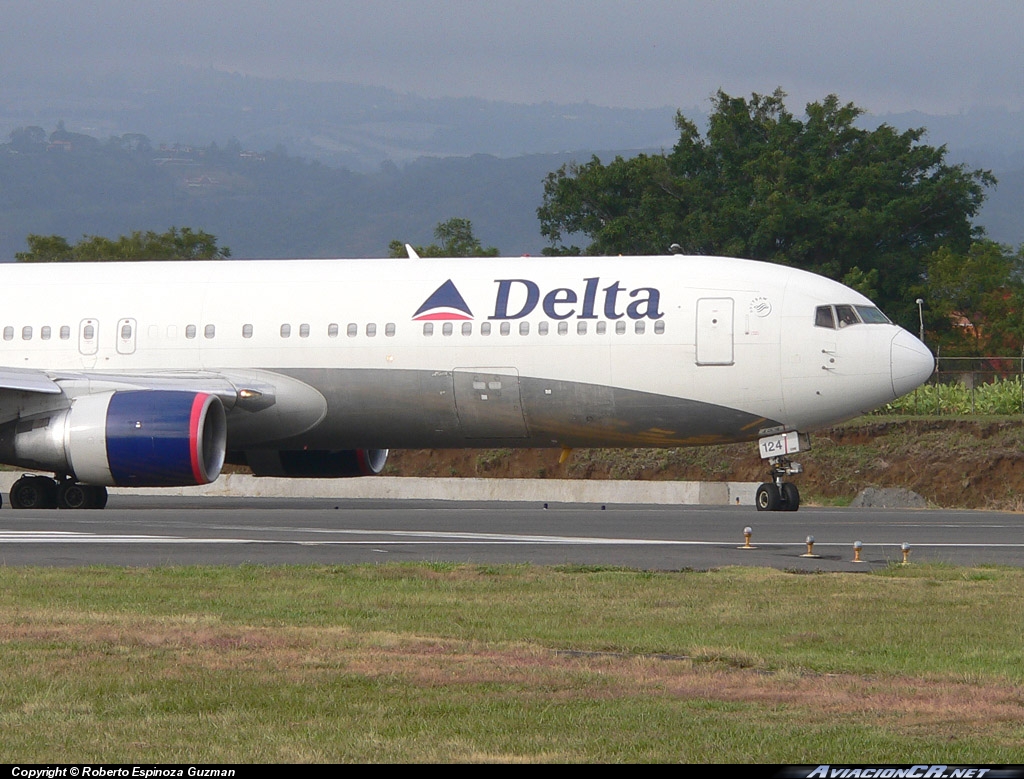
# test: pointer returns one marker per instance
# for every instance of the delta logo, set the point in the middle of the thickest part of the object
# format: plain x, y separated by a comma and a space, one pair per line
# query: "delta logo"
446, 303
517, 298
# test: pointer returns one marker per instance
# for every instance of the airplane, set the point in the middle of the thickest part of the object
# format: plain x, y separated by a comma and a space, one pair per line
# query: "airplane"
142, 374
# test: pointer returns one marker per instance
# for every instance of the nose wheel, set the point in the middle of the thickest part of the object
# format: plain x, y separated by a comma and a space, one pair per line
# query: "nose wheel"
779, 495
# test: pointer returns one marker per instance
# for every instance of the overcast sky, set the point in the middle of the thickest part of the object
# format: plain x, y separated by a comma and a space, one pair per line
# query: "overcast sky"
884, 55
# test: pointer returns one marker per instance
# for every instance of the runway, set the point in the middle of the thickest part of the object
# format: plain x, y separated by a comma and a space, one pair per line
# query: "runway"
149, 531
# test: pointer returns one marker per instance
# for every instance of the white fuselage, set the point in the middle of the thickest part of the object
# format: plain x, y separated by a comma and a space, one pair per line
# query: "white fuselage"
624, 351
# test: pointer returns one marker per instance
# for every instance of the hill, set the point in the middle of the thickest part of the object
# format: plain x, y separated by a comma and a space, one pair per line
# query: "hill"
262, 204
340, 170
964, 462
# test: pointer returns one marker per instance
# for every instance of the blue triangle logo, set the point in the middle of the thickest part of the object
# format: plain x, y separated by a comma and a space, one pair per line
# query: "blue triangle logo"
444, 303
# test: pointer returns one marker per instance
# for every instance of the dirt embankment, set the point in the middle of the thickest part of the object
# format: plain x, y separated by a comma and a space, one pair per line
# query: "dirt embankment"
971, 463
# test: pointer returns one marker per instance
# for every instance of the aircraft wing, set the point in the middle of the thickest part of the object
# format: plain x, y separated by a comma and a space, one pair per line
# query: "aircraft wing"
278, 406
27, 380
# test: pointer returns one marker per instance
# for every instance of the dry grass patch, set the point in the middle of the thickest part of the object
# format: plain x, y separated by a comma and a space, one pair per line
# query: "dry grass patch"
444, 663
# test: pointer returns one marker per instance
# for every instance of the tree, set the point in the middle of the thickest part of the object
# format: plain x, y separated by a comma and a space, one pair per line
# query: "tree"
818, 193
28, 139
455, 239
175, 244
975, 299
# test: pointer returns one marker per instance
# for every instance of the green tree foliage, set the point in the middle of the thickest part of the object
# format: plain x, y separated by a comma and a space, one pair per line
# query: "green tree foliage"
819, 193
175, 244
974, 300
454, 239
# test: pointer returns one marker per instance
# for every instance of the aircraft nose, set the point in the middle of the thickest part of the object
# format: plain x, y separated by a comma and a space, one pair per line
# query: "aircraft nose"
911, 362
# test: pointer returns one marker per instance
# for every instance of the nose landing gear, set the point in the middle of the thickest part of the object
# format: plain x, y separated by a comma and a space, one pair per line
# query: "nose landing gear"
779, 495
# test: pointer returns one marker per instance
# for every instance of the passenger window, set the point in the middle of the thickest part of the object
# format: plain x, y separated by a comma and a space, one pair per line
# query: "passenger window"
44, 332
524, 328
246, 331
8, 333
581, 328
208, 332
485, 328
333, 330
126, 332
447, 329
505, 328
601, 327
659, 326
304, 331
26, 333
286, 331
428, 328
542, 328
620, 327
65, 332
823, 317
640, 327
389, 329
190, 332
352, 330
563, 327
371, 330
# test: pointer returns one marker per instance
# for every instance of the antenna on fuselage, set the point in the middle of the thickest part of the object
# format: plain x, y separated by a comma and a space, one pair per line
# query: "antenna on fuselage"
412, 252
676, 249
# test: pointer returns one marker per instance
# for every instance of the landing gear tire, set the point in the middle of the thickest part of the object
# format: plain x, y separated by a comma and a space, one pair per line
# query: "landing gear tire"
790, 496
768, 497
34, 492
72, 495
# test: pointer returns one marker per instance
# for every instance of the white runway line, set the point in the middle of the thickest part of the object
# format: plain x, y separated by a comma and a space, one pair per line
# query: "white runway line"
424, 538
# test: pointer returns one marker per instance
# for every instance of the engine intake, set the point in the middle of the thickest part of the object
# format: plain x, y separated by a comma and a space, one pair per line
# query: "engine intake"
132, 438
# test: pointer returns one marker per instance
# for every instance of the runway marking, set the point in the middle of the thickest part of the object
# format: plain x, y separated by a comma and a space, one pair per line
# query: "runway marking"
64, 537
427, 538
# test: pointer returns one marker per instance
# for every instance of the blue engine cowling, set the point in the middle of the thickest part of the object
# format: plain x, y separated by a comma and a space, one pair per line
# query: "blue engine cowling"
146, 438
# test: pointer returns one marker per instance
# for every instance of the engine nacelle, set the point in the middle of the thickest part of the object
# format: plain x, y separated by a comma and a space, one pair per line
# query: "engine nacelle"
322, 464
132, 438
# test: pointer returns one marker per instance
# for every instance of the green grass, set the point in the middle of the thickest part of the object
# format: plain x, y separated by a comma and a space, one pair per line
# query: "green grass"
1000, 396
442, 662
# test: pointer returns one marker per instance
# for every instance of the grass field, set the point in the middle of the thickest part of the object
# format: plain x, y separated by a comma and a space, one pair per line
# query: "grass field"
915, 664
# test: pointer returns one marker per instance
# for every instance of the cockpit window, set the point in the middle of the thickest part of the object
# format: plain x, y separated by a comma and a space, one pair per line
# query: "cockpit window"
844, 315
870, 315
823, 317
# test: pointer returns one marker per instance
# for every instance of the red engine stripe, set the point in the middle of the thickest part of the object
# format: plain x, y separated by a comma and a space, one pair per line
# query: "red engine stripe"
198, 403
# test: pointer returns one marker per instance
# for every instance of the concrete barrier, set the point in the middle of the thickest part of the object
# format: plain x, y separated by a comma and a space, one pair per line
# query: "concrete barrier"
416, 488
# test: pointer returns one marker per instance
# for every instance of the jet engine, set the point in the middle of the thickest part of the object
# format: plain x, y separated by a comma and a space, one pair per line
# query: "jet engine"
317, 464
132, 438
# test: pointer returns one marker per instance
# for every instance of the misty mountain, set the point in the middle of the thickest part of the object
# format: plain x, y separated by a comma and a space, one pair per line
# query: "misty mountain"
280, 168
342, 125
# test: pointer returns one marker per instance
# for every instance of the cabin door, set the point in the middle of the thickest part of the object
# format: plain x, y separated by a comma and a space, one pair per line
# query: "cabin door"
715, 331
88, 341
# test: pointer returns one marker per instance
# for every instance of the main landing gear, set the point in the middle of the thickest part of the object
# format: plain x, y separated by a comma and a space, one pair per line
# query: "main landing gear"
779, 495
42, 492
